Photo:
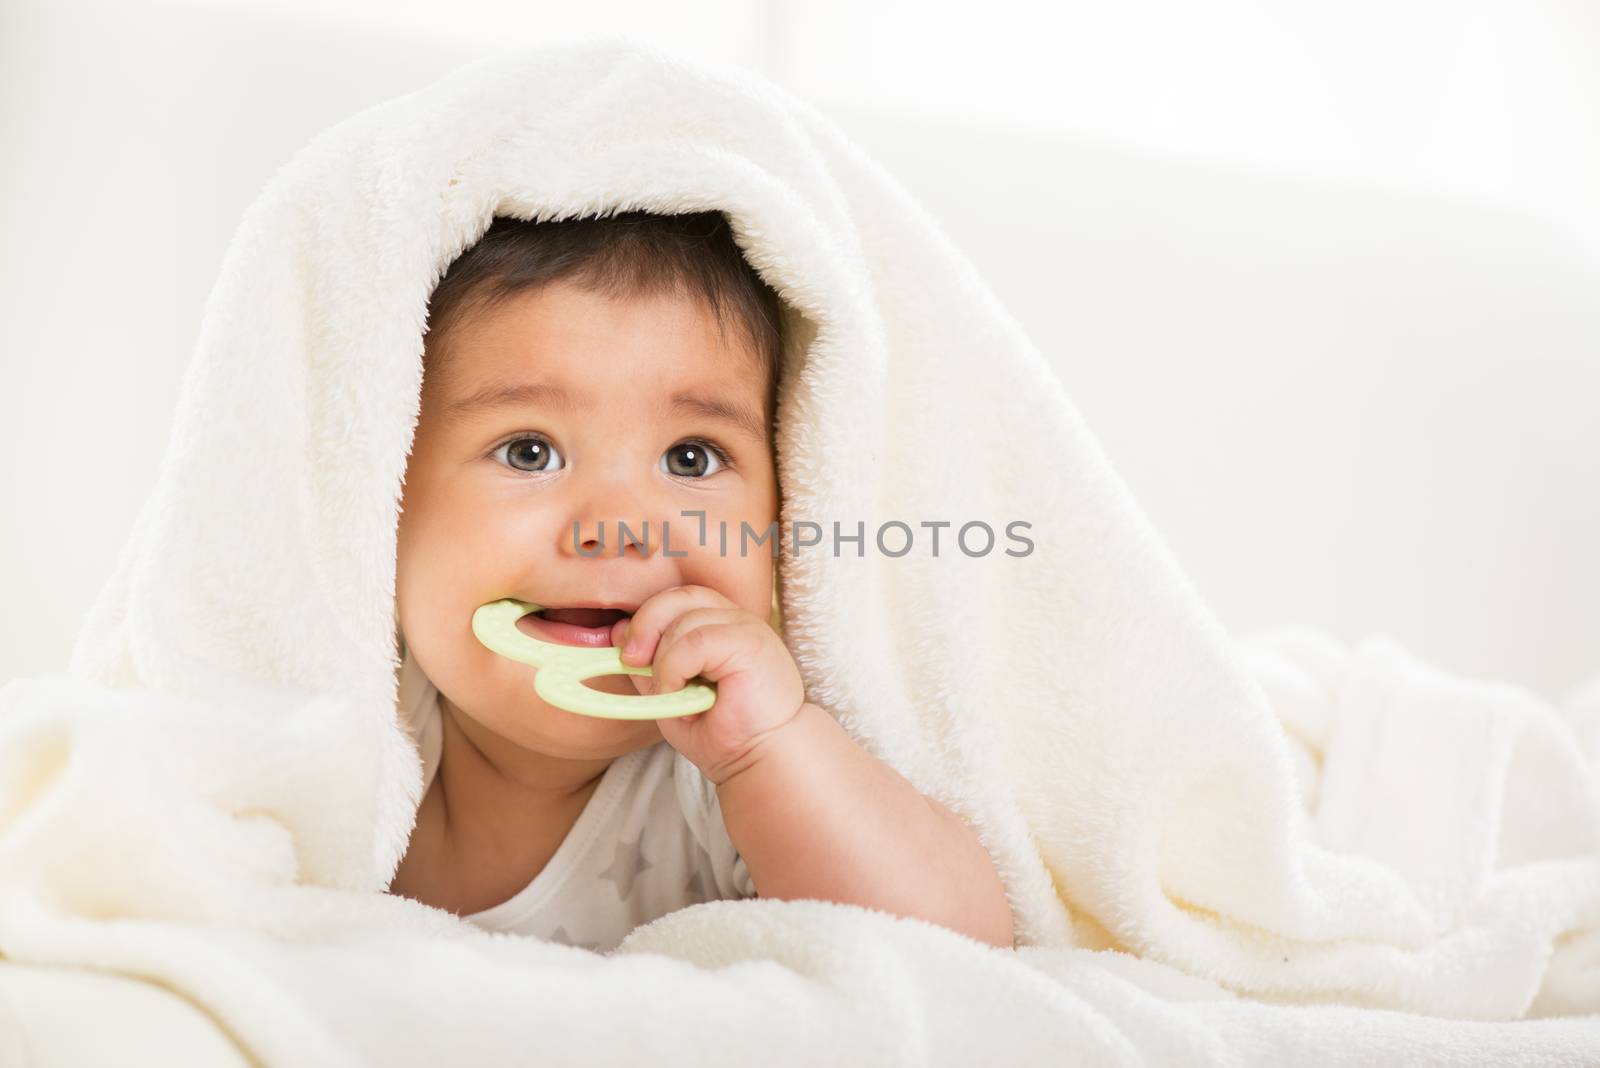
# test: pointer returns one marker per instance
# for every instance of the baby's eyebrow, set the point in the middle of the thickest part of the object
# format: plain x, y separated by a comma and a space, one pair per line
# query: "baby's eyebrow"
737, 416
534, 394
510, 395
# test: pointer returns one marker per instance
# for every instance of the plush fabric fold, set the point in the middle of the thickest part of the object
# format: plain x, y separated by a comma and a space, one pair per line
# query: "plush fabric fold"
1214, 847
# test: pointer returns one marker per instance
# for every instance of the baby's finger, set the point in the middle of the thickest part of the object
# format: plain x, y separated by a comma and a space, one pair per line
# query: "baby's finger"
675, 632
704, 651
696, 617
643, 631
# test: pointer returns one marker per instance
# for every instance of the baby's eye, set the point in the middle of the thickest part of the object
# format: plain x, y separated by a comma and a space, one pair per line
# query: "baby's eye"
537, 453
691, 459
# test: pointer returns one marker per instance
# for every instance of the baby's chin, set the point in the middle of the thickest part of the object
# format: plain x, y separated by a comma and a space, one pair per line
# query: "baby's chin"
622, 684
498, 694
536, 724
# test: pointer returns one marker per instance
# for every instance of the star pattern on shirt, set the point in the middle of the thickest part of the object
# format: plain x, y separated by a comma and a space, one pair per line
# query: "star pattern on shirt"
700, 886
626, 864
560, 935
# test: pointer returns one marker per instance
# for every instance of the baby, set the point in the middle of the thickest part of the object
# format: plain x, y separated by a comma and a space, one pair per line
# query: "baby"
581, 376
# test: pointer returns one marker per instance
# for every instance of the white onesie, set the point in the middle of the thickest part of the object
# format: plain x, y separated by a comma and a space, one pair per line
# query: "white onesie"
649, 841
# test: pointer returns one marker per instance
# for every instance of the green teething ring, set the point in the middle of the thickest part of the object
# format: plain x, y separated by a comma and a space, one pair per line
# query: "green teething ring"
562, 669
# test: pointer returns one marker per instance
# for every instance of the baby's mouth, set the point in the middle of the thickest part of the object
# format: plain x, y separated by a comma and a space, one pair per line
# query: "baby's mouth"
587, 627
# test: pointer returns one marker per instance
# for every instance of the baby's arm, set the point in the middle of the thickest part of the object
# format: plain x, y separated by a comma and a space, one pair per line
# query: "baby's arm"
816, 816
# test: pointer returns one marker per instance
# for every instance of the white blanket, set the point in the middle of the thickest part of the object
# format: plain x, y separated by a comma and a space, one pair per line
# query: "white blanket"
1217, 850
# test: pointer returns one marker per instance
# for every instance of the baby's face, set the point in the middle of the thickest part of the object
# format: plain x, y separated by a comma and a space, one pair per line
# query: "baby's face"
620, 401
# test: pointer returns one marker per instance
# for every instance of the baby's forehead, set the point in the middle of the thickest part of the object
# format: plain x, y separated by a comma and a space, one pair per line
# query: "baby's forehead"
567, 329
478, 388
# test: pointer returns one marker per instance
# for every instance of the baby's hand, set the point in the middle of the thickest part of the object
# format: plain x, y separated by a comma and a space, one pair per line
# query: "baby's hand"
689, 631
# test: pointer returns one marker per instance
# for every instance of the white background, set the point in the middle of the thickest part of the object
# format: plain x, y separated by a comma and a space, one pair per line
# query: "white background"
1321, 276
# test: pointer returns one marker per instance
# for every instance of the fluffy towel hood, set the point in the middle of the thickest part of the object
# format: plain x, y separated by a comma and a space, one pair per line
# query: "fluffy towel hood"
1078, 704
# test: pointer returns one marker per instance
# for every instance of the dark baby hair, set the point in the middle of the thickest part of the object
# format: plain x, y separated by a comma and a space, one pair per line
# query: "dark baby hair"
634, 253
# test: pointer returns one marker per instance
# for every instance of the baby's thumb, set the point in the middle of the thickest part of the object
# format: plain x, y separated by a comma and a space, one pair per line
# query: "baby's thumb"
618, 629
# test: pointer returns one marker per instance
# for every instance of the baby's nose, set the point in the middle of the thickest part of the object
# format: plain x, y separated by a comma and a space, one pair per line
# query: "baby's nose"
620, 536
